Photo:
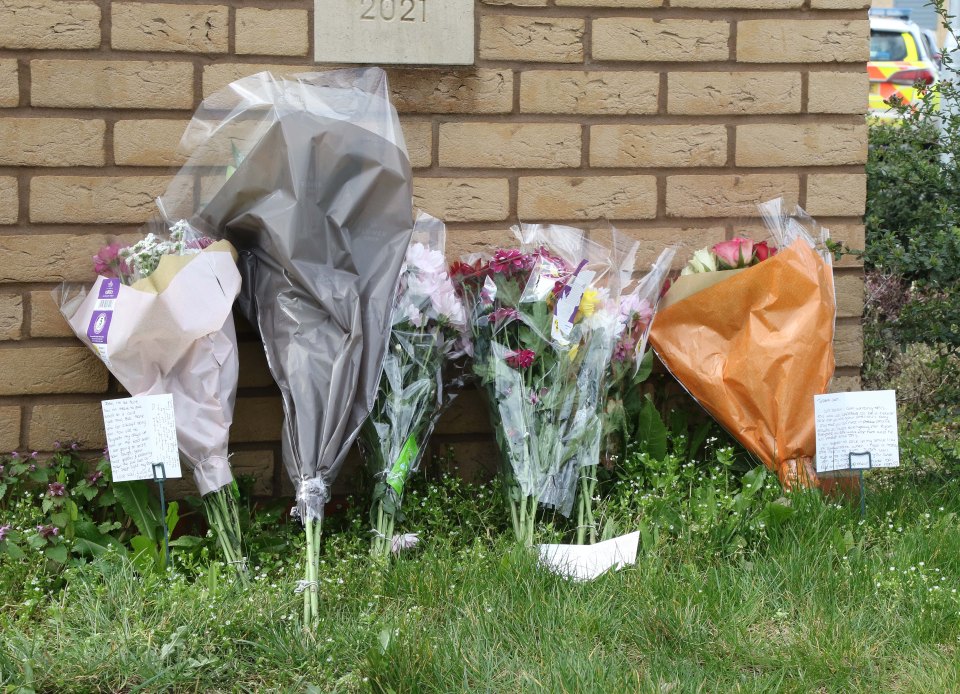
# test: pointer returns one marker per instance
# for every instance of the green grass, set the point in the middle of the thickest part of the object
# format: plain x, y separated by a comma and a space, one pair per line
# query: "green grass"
825, 603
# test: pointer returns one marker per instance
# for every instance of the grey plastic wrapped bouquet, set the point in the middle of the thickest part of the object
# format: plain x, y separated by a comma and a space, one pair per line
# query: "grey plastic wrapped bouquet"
318, 201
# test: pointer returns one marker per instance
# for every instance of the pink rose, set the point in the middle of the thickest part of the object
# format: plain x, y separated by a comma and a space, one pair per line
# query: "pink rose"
735, 253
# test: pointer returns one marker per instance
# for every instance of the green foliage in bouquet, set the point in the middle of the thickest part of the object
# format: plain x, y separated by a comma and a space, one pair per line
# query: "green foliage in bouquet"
429, 327
542, 387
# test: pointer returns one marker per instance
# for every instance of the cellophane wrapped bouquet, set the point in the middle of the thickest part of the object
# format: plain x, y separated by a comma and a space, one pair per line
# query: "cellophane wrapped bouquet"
748, 331
160, 317
542, 318
429, 329
632, 362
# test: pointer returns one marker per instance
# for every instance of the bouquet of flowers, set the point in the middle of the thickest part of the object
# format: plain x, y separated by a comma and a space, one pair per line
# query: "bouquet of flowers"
429, 328
309, 178
763, 321
160, 317
542, 318
631, 363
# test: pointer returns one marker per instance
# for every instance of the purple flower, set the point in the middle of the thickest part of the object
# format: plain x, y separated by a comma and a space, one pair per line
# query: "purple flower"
4, 529
56, 445
34, 455
14, 454
74, 446
32, 468
94, 477
48, 531
509, 261
56, 489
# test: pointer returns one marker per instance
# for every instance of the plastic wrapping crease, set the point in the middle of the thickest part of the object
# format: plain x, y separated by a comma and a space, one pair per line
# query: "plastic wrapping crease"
755, 345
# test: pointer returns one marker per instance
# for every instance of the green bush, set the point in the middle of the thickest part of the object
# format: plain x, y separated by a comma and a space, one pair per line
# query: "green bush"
912, 253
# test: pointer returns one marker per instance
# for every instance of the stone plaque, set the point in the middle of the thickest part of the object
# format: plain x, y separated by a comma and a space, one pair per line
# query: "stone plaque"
392, 32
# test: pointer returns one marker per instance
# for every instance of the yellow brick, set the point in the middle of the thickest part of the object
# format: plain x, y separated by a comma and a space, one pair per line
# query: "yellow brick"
257, 419
840, 4
9, 201
836, 195
609, 3
652, 241
813, 144
803, 41
271, 32
658, 145
40, 370
540, 39
838, 92
850, 293
739, 4
473, 91
733, 93
517, 3
589, 92
49, 24
45, 317
852, 236
11, 316
51, 142
546, 198
9, 428
9, 83
65, 424
419, 138
48, 257
510, 145
151, 142
94, 199
682, 40
726, 195
138, 26
464, 242
111, 84
463, 199
411, 91
848, 345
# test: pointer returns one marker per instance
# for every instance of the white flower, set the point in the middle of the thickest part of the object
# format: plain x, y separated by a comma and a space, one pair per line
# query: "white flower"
702, 261
425, 260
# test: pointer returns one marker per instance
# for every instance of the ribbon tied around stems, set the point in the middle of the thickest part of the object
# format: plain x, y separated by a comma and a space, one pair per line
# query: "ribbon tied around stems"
312, 496
303, 585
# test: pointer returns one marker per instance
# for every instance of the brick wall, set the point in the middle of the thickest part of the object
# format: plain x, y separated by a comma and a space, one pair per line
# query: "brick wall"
671, 118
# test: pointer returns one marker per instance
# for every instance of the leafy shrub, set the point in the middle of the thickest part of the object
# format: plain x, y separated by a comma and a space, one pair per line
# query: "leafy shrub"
912, 253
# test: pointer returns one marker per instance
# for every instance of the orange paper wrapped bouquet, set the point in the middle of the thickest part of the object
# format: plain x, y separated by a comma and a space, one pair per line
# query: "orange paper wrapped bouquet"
752, 341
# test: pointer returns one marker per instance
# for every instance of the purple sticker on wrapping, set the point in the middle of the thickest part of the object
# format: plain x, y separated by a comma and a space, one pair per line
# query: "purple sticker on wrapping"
109, 288
99, 327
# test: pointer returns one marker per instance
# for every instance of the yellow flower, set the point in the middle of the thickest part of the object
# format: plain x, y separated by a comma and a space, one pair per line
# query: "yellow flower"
588, 303
572, 354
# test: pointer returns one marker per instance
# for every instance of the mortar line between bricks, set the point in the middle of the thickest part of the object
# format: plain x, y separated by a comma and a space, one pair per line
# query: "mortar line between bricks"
300, 62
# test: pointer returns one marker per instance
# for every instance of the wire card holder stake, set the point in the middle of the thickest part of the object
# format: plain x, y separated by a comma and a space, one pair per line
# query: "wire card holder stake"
160, 476
860, 468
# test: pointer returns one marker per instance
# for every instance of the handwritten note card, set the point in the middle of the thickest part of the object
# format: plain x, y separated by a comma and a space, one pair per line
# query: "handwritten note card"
856, 423
140, 432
